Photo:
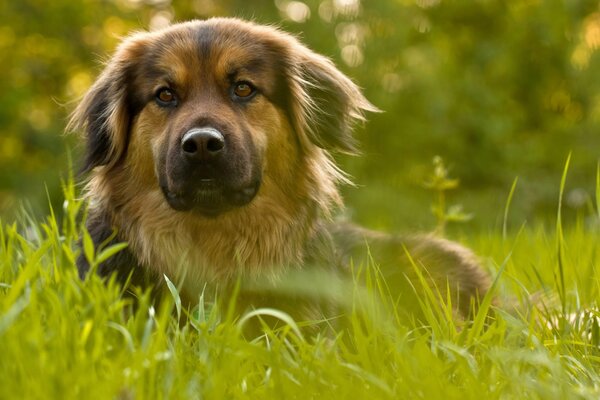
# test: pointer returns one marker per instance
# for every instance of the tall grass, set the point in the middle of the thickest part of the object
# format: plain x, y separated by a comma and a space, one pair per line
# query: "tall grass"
64, 338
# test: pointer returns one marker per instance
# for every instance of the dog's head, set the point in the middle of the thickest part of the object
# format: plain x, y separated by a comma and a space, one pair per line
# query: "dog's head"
205, 110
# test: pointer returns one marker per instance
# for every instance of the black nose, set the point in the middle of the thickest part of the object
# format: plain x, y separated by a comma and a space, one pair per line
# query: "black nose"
202, 144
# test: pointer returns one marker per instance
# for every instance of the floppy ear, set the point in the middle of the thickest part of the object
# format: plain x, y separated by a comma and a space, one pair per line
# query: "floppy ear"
104, 114
325, 103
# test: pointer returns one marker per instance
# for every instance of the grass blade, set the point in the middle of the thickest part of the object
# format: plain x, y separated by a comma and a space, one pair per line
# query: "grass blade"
175, 294
598, 190
560, 237
507, 207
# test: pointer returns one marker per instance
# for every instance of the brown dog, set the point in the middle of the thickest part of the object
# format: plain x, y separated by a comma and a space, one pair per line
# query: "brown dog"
209, 150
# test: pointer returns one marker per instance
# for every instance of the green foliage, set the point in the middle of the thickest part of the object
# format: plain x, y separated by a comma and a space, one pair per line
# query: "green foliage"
497, 88
439, 182
66, 338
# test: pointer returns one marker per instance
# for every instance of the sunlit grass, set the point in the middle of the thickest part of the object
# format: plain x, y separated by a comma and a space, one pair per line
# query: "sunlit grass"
63, 338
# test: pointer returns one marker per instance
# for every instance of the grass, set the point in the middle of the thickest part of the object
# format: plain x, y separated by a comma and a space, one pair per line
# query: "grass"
63, 338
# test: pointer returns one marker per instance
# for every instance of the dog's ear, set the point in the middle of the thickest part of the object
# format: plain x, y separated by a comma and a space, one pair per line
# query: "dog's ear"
325, 103
105, 112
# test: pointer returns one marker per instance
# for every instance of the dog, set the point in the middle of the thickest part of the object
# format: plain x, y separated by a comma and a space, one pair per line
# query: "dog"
209, 149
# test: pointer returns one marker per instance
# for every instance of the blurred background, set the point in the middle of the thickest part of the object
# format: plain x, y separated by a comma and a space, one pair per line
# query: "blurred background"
499, 89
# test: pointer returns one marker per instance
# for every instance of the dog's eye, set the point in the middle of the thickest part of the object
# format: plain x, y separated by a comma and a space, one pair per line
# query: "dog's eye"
165, 97
243, 90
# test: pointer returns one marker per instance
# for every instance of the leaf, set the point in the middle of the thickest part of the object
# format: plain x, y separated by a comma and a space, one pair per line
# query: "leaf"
109, 252
271, 312
456, 214
88, 247
175, 294
448, 184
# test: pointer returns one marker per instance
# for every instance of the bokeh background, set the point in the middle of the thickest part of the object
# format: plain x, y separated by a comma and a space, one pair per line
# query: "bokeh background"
499, 89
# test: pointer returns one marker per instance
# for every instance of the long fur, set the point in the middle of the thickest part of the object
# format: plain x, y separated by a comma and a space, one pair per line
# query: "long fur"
308, 111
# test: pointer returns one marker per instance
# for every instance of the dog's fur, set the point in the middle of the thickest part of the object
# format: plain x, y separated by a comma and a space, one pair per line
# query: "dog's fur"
262, 205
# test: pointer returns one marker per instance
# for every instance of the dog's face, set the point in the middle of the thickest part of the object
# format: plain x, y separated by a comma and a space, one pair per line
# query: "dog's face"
204, 111
210, 108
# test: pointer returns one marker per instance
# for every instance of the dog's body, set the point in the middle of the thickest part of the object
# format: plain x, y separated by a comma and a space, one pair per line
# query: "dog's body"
209, 145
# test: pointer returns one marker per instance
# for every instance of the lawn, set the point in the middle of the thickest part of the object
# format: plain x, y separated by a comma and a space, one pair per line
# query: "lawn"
63, 338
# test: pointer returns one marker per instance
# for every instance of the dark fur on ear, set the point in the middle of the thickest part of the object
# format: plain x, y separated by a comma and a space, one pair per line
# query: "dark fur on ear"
325, 103
105, 112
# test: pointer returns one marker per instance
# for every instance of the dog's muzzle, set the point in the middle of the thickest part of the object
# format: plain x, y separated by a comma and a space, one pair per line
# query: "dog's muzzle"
203, 175
202, 144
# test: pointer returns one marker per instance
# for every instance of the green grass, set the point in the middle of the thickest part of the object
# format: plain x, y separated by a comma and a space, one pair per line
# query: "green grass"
63, 338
